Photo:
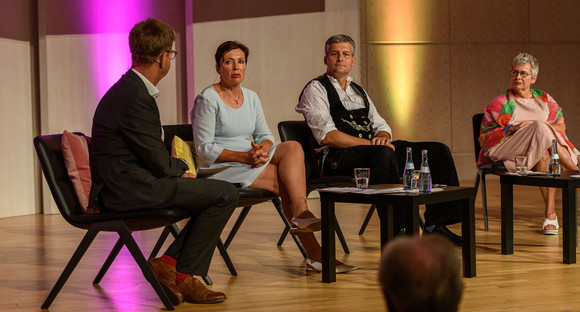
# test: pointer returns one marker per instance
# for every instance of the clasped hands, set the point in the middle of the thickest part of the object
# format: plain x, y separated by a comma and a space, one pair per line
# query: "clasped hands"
258, 155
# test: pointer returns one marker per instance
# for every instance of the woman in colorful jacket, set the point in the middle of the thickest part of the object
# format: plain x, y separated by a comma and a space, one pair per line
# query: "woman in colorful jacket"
524, 121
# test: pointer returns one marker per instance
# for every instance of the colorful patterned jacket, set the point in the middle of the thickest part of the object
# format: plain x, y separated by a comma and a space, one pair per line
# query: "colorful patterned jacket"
497, 115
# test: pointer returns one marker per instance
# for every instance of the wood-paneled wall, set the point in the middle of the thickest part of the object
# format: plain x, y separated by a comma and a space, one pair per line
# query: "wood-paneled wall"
430, 65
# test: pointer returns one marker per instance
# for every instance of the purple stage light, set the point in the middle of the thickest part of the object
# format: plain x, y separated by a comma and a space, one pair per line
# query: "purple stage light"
108, 23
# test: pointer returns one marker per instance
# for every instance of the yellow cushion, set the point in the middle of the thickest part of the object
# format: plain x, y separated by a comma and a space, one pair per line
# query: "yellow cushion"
182, 149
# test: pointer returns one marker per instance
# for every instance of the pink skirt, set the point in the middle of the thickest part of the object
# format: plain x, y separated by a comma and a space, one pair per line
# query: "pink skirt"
531, 141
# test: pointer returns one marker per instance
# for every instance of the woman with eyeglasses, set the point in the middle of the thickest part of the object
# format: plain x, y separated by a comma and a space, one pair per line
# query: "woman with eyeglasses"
524, 121
230, 128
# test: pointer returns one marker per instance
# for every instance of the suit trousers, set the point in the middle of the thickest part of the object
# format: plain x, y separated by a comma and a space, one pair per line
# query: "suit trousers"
211, 203
387, 167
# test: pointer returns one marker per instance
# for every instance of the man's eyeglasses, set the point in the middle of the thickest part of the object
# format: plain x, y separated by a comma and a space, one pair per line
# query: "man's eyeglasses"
172, 54
515, 73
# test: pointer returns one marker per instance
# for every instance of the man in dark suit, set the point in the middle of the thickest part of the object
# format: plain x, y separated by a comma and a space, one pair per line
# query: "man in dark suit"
133, 170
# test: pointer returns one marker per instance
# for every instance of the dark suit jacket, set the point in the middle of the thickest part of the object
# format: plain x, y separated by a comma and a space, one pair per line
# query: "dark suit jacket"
130, 165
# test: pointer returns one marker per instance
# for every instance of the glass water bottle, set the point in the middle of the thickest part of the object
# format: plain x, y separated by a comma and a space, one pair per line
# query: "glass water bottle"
409, 168
554, 167
424, 174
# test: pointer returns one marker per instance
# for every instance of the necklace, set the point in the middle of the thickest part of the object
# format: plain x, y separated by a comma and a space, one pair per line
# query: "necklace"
230, 97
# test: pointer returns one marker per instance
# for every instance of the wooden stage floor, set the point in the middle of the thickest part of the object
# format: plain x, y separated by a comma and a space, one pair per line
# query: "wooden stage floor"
35, 249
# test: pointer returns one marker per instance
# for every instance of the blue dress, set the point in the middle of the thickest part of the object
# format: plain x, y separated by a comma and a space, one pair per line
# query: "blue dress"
217, 126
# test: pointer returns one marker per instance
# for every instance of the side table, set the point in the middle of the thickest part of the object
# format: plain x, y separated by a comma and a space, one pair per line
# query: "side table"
565, 182
411, 203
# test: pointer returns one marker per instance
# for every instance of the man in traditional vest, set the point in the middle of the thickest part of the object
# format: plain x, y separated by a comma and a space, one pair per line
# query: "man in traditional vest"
343, 118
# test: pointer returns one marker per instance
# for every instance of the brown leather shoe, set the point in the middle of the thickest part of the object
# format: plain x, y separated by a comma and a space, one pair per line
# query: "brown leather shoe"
194, 291
166, 275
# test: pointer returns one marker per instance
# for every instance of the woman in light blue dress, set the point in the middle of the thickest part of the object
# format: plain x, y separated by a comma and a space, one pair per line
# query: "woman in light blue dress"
230, 129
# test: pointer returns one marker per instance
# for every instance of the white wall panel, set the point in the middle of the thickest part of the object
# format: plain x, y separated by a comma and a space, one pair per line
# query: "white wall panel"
17, 160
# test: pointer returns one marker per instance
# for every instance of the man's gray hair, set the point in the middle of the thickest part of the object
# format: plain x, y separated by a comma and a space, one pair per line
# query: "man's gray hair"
524, 58
338, 39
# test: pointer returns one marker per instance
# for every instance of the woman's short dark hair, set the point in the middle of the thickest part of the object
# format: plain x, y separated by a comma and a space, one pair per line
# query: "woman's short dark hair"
228, 46
149, 39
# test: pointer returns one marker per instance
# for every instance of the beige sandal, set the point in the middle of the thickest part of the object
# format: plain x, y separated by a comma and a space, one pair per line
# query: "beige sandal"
307, 225
550, 222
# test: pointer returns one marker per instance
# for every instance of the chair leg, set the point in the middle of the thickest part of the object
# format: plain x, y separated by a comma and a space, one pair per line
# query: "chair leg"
283, 236
74, 260
112, 255
160, 242
133, 248
367, 219
340, 236
484, 200
278, 204
300, 246
476, 187
477, 177
174, 230
237, 225
226, 256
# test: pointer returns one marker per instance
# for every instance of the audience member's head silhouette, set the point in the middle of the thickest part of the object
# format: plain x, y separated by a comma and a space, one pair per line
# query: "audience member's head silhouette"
421, 274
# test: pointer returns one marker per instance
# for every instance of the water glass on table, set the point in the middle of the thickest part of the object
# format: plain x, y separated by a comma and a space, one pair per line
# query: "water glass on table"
521, 166
361, 176
415, 182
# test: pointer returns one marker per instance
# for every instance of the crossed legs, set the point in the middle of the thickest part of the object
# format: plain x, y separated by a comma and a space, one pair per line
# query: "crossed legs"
535, 141
285, 177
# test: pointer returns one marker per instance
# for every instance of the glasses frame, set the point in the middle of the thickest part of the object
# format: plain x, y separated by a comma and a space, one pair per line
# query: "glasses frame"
172, 54
523, 74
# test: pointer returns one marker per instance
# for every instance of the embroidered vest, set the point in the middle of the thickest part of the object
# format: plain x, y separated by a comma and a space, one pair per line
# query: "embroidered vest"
355, 122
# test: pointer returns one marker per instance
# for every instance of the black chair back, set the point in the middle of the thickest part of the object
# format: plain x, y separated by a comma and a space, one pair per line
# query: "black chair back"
49, 151
476, 125
298, 130
184, 132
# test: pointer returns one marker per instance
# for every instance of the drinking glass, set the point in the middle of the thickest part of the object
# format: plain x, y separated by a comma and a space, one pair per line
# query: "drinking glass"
361, 176
415, 182
521, 167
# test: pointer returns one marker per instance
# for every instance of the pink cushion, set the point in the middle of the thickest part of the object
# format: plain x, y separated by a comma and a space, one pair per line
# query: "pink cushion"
75, 150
